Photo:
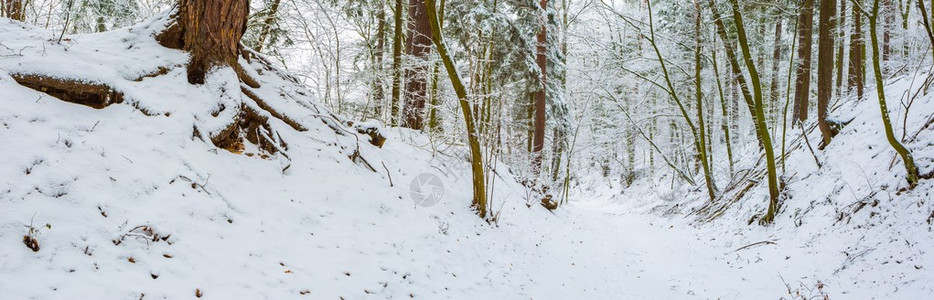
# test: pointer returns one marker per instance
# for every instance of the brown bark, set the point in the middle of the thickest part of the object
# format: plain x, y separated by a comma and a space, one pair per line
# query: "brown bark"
776, 58
825, 68
803, 81
378, 54
13, 9
841, 46
396, 65
857, 53
538, 139
210, 30
418, 46
75, 91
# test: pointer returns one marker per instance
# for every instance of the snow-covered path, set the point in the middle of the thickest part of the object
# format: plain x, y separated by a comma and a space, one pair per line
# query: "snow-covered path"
602, 251
629, 256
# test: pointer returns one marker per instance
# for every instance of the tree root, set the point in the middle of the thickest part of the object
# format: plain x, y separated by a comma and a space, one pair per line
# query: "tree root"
252, 126
265, 106
88, 94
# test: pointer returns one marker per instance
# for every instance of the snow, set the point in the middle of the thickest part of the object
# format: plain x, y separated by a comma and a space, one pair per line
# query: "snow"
100, 184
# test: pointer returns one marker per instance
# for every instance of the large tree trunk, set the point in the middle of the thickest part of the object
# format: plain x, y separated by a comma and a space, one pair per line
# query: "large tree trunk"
418, 46
210, 30
825, 68
13, 9
538, 140
803, 81
857, 50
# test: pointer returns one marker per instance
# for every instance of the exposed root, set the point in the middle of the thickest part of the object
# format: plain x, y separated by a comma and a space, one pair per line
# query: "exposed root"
88, 94
252, 126
265, 106
548, 203
31, 243
376, 137
244, 77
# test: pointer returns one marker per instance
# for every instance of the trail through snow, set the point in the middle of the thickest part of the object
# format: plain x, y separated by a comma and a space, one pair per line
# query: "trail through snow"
630, 256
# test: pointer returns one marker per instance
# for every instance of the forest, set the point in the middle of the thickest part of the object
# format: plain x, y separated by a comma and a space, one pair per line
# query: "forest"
513, 149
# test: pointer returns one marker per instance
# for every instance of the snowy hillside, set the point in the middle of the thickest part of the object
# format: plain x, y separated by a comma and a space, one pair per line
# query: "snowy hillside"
851, 224
133, 200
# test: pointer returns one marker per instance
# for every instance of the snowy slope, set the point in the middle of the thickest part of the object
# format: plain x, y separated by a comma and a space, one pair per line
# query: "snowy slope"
127, 204
106, 181
851, 224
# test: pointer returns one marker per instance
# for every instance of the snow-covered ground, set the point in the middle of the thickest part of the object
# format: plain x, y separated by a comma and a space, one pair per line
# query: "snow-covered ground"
129, 205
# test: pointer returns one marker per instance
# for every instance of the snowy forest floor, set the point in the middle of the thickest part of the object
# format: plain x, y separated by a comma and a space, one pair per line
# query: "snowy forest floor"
125, 203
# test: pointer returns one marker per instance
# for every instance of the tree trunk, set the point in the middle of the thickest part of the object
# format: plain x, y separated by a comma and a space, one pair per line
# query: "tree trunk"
907, 158
434, 119
927, 23
776, 58
396, 66
841, 48
759, 117
476, 160
699, 147
418, 46
803, 81
210, 30
825, 68
701, 140
378, 57
857, 49
538, 140
724, 122
735, 70
267, 25
13, 9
